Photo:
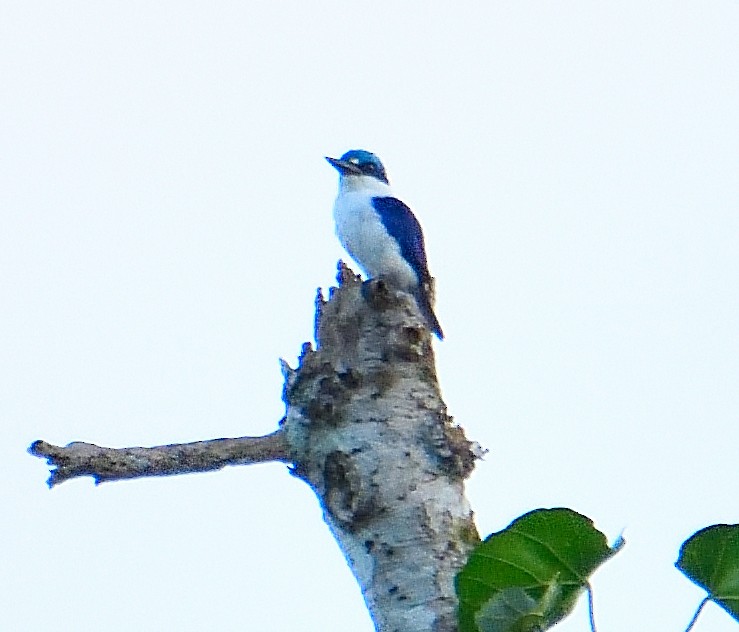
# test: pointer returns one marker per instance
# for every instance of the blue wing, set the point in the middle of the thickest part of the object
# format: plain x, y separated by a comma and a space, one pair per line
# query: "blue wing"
403, 226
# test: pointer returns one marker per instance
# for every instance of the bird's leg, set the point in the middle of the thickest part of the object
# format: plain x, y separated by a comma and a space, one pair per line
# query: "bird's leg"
372, 286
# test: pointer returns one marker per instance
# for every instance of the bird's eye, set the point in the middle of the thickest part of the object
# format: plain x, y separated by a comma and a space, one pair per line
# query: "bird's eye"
354, 161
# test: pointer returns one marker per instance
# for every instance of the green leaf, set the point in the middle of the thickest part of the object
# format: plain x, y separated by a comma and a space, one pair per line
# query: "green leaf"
530, 575
513, 610
710, 558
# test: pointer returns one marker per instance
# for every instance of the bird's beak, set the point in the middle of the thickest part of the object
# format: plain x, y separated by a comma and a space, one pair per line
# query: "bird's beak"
343, 167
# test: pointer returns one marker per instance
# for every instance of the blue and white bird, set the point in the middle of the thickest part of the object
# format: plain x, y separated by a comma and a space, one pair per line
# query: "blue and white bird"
380, 232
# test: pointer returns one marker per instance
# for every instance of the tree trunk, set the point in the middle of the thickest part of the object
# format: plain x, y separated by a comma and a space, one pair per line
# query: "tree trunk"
369, 432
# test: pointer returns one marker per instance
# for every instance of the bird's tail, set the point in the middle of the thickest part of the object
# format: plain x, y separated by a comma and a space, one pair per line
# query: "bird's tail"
423, 299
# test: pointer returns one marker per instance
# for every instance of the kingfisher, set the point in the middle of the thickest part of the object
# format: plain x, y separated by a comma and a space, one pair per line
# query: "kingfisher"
380, 232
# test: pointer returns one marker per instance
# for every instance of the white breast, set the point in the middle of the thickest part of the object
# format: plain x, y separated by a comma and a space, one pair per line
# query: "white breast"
362, 233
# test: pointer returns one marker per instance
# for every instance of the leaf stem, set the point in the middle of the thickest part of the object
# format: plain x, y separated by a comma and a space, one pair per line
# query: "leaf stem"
589, 589
697, 612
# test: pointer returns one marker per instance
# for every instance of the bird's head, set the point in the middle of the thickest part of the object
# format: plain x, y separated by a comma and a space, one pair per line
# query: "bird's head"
358, 162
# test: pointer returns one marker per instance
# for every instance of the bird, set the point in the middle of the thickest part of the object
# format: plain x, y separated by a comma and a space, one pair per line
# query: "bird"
380, 232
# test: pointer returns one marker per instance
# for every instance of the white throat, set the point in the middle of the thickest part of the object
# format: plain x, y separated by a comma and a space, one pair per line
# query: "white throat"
366, 184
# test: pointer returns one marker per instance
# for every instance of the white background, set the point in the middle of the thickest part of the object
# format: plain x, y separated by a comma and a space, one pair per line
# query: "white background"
166, 220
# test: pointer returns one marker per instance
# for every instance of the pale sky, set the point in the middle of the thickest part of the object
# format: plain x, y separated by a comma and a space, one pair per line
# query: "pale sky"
166, 220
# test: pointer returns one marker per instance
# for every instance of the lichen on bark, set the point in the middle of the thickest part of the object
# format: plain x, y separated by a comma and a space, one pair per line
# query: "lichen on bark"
370, 433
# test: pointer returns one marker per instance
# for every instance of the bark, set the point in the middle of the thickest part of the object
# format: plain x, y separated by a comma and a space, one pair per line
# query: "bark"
366, 428
371, 435
115, 464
